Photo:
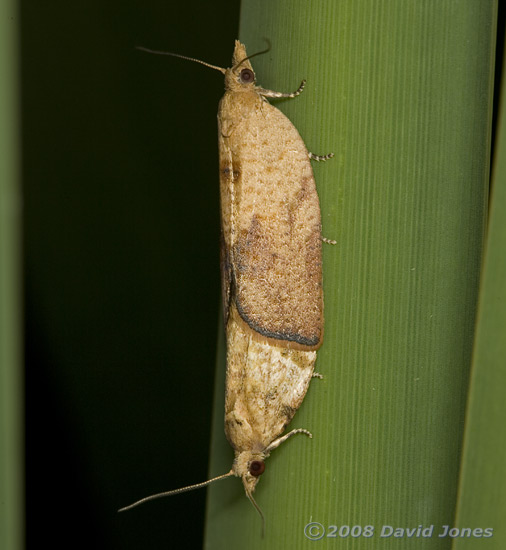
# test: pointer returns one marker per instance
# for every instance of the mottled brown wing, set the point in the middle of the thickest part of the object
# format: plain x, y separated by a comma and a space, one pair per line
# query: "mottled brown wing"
271, 223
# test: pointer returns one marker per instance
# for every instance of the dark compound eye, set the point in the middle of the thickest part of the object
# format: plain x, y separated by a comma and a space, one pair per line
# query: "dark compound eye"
247, 76
256, 467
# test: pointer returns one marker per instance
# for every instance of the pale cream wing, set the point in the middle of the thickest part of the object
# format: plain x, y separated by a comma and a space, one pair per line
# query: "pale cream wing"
265, 386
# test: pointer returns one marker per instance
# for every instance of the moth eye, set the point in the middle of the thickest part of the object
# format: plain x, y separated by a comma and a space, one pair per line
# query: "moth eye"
257, 467
247, 76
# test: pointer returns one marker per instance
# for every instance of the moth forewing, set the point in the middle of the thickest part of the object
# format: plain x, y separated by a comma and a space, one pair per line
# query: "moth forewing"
270, 217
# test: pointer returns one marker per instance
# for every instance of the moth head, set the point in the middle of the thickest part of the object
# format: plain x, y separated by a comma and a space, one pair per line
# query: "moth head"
240, 77
249, 466
250, 472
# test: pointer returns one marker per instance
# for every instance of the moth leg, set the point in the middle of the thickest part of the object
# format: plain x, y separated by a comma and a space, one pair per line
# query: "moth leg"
319, 158
328, 241
277, 442
317, 375
271, 93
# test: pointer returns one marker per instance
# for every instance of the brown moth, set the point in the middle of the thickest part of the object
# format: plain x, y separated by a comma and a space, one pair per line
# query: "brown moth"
271, 270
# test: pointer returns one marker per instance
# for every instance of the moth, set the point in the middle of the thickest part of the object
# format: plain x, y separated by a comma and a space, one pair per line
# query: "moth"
271, 262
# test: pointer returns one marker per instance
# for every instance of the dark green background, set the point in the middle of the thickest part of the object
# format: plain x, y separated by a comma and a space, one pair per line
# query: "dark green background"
121, 233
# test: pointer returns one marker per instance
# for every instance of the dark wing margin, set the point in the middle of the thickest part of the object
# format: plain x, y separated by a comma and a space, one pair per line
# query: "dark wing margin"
278, 289
226, 279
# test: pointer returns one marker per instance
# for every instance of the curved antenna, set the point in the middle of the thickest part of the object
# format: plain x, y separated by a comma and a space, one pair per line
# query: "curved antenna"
157, 52
254, 54
253, 501
177, 491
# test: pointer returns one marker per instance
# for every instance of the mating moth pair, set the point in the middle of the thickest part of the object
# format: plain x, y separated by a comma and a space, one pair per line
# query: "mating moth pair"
271, 265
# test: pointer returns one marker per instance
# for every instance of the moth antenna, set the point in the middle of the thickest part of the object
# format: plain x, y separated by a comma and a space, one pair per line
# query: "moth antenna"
177, 491
182, 57
254, 54
253, 501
